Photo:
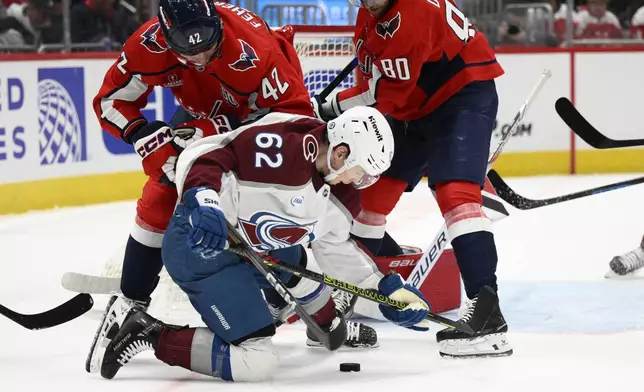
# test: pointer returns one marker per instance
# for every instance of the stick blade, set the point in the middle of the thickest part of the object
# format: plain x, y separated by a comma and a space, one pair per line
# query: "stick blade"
579, 125
68, 311
81, 283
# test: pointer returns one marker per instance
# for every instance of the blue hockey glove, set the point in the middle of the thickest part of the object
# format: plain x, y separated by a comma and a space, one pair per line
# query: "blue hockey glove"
208, 232
414, 316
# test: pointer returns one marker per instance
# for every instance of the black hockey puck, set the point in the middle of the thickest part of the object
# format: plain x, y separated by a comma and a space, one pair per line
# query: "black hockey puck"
349, 367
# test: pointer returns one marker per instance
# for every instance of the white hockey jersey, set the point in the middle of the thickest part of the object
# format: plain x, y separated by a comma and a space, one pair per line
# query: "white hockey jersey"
271, 191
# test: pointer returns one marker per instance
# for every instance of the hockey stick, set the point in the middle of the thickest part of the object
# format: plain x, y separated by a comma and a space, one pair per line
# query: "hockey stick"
437, 246
514, 199
369, 294
68, 311
282, 290
586, 131
92, 284
338, 79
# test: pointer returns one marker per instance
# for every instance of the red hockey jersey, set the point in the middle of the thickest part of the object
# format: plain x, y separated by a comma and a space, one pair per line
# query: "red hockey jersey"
415, 57
258, 72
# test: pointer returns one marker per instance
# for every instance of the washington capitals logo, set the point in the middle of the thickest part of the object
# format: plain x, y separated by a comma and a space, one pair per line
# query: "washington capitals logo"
388, 28
266, 231
246, 59
150, 39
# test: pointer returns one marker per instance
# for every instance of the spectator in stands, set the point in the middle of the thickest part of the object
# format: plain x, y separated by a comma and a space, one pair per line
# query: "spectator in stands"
533, 27
637, 24
598, 22
110, 22
7, 3
560, 16
22, 23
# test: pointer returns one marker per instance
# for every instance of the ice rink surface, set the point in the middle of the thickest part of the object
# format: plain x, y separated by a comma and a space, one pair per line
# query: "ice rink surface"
572, 330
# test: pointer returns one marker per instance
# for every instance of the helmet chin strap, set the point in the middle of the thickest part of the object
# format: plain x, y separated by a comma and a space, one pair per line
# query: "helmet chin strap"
332, 172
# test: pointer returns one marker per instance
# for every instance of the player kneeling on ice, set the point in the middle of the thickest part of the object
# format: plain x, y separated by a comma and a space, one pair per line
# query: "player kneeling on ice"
284, 181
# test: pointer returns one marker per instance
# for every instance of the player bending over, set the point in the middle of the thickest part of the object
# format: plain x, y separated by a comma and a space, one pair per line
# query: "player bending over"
215, 59
422, 63
284, 181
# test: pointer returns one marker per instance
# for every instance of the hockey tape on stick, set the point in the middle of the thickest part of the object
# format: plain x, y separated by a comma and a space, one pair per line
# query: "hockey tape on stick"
368, 294
437, 246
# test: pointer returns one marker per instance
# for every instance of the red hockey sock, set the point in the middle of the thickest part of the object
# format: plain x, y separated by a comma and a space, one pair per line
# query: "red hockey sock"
175, 347
325, 315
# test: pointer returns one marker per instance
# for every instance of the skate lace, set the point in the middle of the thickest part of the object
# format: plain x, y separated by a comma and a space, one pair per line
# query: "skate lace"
633, 259
467, 310
353, 331
136, 347
342, 300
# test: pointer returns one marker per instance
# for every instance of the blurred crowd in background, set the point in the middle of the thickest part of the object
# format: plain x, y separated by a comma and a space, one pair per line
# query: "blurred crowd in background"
103, 25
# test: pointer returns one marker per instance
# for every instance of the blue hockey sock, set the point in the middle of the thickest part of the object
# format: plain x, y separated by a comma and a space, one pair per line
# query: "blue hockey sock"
476, 257
141, 267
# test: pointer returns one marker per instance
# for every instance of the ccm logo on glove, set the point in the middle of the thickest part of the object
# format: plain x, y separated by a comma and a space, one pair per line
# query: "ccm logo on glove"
149, 144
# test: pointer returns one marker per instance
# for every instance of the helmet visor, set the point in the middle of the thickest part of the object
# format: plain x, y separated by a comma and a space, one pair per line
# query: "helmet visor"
193, 41
359, 177
365, 181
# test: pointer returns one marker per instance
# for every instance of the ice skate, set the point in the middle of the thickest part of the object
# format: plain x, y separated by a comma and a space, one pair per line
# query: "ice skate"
484, 316
139, 332
359, 335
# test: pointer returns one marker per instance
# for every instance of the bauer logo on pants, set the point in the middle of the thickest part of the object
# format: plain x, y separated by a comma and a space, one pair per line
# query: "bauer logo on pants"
61, 115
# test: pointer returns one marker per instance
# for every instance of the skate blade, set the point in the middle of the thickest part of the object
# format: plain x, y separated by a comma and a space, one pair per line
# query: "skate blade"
115, 313
101, 332
314, 344
635, 275
493, 345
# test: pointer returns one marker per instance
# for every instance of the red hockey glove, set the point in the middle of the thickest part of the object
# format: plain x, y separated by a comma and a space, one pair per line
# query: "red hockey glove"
154, 143
194, 130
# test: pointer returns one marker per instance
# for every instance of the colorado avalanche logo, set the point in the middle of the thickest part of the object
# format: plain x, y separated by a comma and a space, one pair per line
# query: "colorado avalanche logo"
388, 28
150, 39
246, 59
266, 231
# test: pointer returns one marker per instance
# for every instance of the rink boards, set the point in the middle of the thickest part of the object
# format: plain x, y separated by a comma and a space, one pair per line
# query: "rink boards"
53, 152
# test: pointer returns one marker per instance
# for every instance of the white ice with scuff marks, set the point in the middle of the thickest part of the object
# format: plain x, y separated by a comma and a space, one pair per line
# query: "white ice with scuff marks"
571, 329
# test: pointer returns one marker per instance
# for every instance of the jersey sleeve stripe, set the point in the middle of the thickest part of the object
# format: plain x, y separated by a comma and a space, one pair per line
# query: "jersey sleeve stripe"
130, 92
366, 98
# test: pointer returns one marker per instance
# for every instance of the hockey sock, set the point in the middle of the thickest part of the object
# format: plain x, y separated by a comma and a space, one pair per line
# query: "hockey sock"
368, 229
389, 247
470, 231
476, 258
141, 267
326, 314
377, 202
200, 350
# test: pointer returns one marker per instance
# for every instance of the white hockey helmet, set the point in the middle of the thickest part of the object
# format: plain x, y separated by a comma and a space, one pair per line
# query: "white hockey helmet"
367, 134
